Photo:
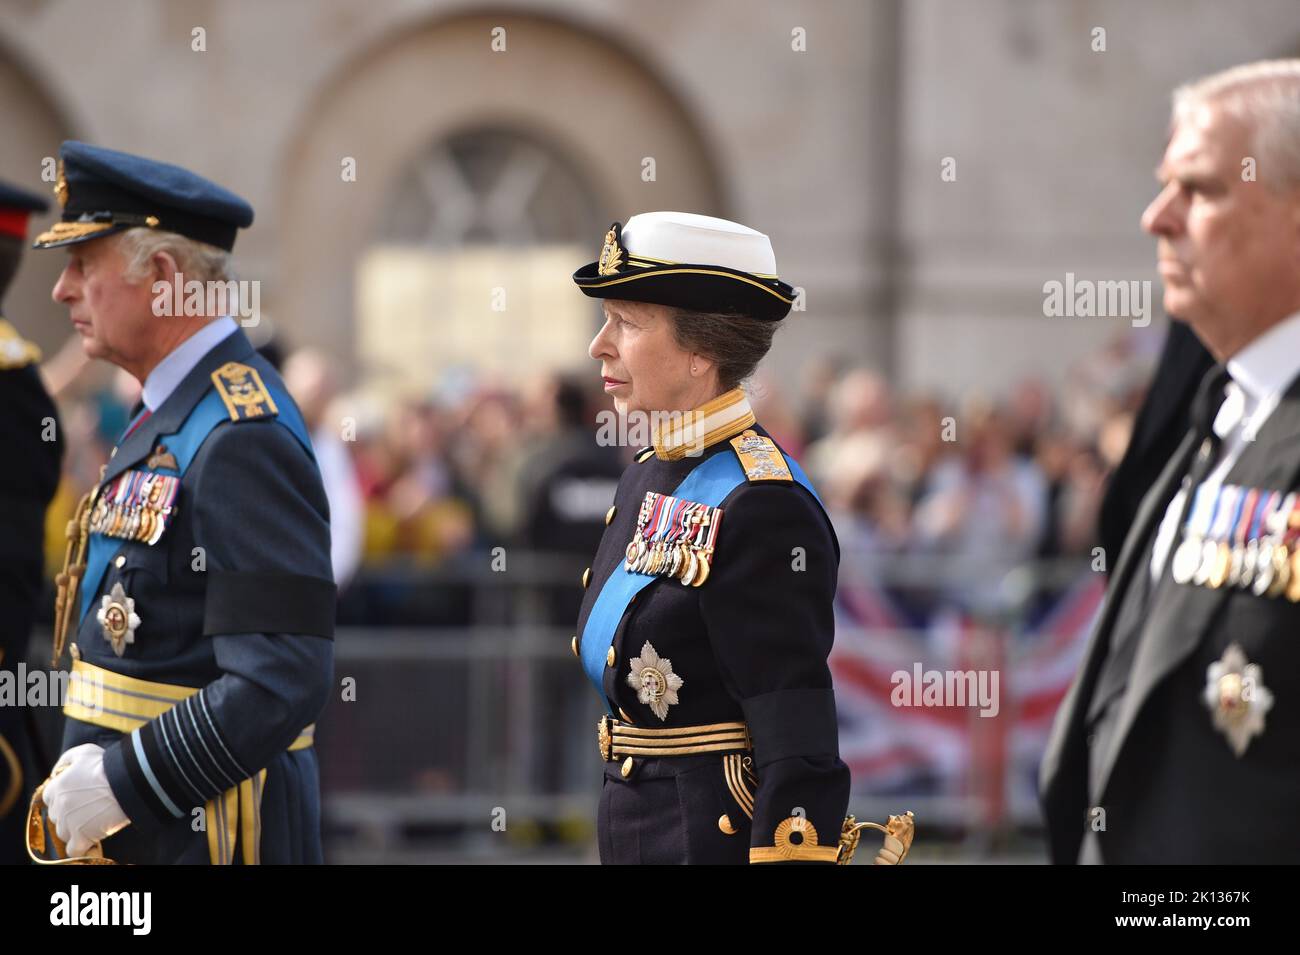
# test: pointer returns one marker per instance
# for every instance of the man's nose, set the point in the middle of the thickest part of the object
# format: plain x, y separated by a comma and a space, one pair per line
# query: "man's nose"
1162, 217
62, 291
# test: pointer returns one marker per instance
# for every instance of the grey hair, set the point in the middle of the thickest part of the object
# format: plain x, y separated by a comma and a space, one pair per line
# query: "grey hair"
1265, 96
196, 260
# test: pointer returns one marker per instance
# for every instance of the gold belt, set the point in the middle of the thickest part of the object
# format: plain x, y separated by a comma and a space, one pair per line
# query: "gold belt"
123, 703
617, 738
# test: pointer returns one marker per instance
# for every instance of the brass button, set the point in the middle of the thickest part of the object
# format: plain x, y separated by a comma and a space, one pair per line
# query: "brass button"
609, 658
724, 823
574, 646
120, 562
627, 767
609, 515
586, 578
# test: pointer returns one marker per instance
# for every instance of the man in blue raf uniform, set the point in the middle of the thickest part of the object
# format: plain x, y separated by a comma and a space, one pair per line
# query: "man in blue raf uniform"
199, 590
29, 434
707, 617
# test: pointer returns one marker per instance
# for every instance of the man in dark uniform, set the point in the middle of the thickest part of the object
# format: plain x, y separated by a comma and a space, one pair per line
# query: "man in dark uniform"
29, 434
204, 614
707, 615
1179, 741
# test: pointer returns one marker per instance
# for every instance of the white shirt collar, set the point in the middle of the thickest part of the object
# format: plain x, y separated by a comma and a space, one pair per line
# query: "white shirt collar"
1270, 362
1260, 373
171, 371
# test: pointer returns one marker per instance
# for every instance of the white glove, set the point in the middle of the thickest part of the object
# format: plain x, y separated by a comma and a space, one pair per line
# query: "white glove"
81, 804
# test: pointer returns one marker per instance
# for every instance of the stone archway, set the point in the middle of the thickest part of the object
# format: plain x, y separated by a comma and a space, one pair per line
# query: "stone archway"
584, 95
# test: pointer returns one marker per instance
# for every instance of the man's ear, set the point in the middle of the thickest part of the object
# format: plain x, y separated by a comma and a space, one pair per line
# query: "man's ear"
163, 267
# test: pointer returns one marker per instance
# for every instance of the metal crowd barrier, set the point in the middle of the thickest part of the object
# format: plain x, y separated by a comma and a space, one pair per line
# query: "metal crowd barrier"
476, 741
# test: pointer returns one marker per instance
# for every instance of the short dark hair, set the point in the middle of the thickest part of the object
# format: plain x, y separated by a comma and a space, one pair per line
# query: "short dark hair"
737, 343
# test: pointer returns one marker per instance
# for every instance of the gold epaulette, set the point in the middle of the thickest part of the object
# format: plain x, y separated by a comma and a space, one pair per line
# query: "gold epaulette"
243, 393
16, 351
760, 458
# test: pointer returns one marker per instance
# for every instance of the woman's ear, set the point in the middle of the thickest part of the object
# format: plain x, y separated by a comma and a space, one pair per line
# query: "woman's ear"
700, 365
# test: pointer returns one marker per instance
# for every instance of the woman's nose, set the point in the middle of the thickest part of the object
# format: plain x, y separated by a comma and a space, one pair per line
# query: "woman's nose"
600, 347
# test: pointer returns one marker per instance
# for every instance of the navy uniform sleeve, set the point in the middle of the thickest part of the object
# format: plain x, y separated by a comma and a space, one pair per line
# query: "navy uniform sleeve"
768, 609
27, 419
27, 484
261, 517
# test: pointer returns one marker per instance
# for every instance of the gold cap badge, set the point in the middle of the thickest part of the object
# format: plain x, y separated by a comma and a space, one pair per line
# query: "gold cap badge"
61, 187
611, 254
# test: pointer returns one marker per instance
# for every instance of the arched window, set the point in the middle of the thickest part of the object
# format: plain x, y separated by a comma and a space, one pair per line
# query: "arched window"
470, 268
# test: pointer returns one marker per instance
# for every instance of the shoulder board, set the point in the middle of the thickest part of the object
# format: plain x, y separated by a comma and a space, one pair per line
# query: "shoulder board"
760, 458
644, 453
15, 351
242, 392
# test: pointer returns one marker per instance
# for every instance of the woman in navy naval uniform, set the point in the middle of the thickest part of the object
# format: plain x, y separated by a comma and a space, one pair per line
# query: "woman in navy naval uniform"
707, 618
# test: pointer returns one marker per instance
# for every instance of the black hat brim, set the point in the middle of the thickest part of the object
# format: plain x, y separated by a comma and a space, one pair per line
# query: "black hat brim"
701, 288
13, 197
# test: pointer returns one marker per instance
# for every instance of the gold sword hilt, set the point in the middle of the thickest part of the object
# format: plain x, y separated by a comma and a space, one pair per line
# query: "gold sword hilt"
37, 832
899, 832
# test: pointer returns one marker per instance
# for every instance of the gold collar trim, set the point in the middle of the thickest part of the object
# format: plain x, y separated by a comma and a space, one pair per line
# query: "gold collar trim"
681, 434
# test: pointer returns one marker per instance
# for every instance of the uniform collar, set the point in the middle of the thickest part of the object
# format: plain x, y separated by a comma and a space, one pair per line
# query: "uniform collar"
724, 417
171, 414
180, 361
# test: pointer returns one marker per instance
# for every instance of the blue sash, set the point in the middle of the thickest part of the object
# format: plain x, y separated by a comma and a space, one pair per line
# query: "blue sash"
184, 446
710, 483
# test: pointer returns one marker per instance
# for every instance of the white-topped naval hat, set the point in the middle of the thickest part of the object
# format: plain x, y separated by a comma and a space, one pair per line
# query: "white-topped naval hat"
689, 261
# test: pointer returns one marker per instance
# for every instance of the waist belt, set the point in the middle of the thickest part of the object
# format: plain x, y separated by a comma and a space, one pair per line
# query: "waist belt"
124, 703
617, 738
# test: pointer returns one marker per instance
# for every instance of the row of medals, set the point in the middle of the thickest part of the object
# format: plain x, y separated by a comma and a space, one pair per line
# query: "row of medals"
687, 560
144, 521
1268, 566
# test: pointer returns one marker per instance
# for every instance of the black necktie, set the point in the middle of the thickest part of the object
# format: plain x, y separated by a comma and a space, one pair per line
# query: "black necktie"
1132, 614
1205, 408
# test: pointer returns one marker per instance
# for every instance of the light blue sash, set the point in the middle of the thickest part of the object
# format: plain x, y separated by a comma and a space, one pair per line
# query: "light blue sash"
710, 483
184, 445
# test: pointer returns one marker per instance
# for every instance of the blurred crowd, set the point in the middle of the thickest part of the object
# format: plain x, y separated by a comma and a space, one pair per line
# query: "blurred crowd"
421, 482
